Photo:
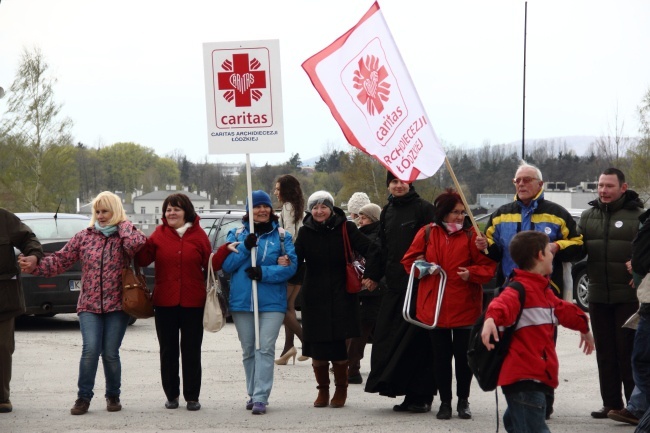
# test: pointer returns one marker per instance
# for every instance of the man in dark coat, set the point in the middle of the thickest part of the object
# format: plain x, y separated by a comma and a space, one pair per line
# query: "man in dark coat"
402, 359
13, 233
608, 228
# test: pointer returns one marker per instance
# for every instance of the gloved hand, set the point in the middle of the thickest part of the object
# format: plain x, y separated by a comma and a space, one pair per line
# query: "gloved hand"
254, 272
250, 241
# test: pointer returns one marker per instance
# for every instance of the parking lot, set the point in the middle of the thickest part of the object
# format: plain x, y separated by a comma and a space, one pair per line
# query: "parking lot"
45, 375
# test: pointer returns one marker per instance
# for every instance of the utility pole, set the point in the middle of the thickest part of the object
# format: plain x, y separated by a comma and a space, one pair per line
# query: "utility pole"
523, 125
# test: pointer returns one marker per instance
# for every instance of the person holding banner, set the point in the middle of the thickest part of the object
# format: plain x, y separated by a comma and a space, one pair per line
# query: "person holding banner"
450, 246
401, 362
330, 314
271, 277
531, 211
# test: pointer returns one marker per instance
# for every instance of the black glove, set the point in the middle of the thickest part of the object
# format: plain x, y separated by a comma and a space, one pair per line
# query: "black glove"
250, 241
254, 273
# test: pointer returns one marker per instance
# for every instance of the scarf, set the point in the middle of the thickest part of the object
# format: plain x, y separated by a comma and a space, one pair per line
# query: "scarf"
181, 230
106, 231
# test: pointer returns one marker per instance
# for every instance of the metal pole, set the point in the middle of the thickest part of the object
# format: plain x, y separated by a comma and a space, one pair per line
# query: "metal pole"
251, 224
523, 125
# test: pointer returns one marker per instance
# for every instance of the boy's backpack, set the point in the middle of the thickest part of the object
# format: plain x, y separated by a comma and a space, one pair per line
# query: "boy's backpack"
486, 365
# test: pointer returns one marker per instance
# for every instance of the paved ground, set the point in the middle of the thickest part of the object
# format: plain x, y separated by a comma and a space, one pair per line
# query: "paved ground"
45, 375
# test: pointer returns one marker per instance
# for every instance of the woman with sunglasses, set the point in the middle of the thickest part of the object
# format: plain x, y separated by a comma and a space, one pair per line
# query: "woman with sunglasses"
451, 246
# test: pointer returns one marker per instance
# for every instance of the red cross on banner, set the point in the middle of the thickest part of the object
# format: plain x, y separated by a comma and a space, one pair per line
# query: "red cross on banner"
241, 80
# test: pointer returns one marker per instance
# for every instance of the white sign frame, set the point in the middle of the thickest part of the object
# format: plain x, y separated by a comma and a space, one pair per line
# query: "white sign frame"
243, 97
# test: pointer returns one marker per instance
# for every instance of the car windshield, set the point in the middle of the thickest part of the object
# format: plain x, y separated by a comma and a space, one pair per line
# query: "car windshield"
61, 228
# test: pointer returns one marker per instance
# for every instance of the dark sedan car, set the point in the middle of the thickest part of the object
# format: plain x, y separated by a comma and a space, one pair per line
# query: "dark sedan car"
50, 296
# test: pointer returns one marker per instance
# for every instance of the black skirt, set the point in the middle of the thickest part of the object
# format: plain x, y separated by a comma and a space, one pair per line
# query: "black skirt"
325, 350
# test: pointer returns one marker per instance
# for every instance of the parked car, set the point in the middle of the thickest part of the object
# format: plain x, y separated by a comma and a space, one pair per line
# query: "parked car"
50, 296
56, 295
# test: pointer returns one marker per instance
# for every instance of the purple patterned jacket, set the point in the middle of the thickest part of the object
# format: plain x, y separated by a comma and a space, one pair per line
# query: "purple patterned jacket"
102, 260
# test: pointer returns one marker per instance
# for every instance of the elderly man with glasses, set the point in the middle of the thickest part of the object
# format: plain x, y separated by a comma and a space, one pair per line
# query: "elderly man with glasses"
530, 211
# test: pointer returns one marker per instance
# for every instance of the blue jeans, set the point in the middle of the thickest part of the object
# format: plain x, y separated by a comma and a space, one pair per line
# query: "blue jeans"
526, 412
258, 364
102, 334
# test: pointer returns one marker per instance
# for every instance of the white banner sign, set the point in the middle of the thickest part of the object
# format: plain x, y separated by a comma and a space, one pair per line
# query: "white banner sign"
243, 97
363, 80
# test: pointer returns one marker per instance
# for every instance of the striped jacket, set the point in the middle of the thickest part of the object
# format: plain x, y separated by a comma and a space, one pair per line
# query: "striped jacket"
540, 215
532, 353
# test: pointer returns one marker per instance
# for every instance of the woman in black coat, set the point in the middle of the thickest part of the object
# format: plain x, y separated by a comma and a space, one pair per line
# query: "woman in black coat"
330, 315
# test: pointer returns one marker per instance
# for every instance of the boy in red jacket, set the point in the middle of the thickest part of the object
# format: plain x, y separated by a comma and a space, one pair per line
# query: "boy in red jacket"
530, 370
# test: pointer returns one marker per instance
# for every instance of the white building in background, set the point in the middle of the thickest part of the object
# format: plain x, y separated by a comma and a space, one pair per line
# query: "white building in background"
570, 198
146, 210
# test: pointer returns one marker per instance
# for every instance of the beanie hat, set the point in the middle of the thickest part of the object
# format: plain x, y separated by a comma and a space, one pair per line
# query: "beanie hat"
389, 177
260, 197
357, 201
320, 197
372, 211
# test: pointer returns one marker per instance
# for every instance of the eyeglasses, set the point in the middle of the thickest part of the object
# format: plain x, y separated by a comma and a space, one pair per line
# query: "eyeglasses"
524, 180
458, 213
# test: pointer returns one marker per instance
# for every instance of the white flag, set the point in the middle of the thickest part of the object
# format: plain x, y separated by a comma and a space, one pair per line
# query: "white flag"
365, 83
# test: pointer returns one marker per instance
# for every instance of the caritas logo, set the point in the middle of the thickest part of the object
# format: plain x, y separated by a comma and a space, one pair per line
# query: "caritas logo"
374, 90
242, 80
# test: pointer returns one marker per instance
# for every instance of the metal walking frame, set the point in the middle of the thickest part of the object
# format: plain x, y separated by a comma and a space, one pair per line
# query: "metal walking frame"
408, 300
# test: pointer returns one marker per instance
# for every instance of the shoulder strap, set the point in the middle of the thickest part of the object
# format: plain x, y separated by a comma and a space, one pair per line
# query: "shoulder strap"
281, 231
522, 298
427, 232
239, 231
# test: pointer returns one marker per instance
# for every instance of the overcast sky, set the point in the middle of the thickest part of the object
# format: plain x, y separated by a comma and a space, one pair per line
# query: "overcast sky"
133, 70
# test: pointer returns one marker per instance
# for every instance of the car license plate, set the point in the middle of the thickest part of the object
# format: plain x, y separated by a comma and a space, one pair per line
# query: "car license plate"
75, 285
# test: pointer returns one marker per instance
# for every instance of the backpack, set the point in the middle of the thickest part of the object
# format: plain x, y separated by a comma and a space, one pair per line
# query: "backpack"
486, 365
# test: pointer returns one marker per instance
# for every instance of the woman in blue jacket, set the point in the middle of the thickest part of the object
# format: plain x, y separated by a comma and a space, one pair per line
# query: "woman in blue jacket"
273, 246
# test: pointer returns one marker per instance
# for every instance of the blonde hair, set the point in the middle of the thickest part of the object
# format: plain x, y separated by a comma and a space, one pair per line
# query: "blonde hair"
113, 203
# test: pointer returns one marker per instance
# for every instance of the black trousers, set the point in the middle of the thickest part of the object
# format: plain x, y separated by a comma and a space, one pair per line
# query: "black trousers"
189, 322
614, 346
448, 343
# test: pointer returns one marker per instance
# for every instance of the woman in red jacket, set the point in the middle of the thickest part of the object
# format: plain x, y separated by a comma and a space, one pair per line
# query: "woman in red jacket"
181, 250
451, 247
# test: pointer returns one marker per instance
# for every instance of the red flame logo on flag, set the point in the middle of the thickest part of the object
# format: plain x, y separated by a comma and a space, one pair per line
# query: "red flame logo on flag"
369, 80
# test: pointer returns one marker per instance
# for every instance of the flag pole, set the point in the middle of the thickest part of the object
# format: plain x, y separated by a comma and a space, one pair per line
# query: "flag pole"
462, 197
251, 225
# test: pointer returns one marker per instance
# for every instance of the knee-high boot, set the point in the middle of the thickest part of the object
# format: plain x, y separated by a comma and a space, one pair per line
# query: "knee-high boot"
323, 379
341, 382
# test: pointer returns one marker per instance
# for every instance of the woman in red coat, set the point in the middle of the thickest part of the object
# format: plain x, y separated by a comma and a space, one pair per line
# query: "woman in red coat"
181, 250
452, 247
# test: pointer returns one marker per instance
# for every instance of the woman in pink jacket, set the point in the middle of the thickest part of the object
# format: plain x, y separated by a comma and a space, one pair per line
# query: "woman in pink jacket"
104, 248
181, 250
451, 246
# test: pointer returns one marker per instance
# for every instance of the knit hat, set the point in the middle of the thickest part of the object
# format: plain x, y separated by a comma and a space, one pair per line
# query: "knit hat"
389, 177
357, 201
260, 197
372, 211
320, 197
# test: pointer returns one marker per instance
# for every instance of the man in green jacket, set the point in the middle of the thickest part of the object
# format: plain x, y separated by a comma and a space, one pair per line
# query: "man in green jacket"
608, 228
13, 233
